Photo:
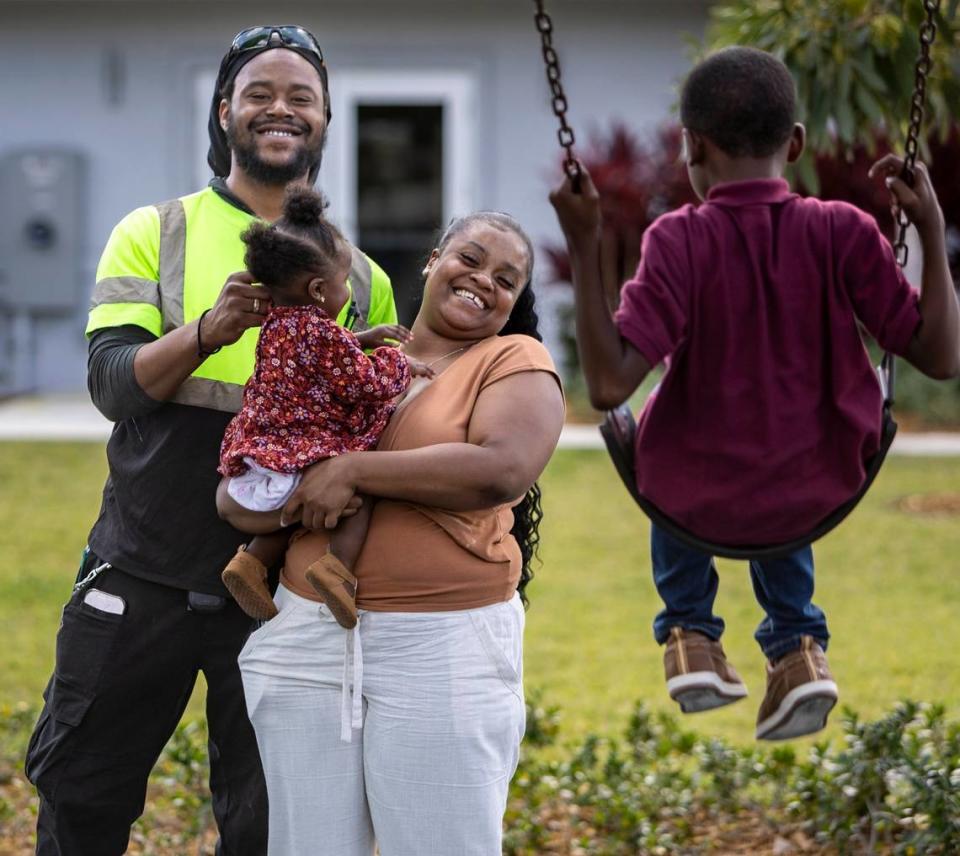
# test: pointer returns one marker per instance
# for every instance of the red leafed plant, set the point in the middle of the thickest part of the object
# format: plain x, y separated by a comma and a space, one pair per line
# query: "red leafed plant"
847, 179
638, 181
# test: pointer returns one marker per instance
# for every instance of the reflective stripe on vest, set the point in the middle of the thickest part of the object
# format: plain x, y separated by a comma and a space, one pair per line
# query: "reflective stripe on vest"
125, 289
215, 394
194, 391
361, 281
202, 391
173, 247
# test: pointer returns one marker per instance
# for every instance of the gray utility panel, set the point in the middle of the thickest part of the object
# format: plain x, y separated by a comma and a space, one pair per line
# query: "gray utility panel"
42, 198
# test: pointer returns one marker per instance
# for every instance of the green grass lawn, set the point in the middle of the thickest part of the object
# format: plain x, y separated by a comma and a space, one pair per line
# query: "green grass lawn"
889, 582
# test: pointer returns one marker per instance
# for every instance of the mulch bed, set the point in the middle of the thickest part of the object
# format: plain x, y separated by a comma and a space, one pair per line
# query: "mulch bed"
748, 833
18, 818
937, 504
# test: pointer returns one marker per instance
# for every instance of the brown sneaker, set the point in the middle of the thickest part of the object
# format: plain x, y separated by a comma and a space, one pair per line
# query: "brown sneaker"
698, 674
246, 579
800, 693
337, 586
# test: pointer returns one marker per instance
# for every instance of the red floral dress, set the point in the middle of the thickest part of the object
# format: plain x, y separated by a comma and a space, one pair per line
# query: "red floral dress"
314, 394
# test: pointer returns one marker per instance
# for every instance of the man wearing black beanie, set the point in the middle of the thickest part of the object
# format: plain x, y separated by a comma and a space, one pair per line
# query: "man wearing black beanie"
172, 337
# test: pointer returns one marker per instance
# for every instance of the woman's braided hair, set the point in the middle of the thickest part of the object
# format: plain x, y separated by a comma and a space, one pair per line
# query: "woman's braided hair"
523, 321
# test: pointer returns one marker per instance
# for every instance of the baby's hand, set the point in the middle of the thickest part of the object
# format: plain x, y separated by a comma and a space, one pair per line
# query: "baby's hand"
919, 202
420, 369
384, 334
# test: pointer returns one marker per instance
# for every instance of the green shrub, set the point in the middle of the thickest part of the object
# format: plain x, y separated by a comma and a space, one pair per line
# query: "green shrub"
896, 782
890, 786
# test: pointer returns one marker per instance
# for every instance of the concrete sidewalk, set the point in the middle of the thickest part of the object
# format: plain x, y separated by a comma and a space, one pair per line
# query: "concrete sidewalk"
73, 417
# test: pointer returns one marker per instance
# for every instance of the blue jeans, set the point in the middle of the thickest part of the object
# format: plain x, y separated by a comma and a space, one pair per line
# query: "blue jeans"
686, 580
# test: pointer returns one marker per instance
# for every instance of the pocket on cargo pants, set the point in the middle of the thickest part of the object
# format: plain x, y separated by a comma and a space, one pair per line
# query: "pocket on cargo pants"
84, 642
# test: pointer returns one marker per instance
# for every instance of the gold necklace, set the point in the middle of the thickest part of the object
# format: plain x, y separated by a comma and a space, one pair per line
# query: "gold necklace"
441, 359
455, 351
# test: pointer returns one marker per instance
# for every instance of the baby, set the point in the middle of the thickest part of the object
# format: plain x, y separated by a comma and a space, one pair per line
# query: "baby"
313, 394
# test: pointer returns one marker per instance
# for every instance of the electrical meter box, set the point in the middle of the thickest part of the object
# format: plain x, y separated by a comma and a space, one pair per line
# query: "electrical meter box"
42, 216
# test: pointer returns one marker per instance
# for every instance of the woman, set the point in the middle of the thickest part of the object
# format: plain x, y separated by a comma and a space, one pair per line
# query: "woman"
436, 714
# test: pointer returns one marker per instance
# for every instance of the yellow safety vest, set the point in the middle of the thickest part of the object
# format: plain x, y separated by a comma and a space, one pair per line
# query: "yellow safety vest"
165, 264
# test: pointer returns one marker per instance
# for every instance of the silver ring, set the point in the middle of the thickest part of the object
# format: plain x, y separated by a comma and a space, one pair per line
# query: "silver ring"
256, 304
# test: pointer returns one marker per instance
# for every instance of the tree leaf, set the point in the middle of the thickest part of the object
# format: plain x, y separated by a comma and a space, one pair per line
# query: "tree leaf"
868, 104
853, 60
867, 72
806, 173
846, 124
844, 79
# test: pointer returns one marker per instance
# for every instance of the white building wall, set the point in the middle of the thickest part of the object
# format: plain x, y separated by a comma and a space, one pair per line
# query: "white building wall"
621, 60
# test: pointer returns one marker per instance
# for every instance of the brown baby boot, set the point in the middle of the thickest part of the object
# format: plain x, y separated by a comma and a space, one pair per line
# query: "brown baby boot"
246, 579
337, 586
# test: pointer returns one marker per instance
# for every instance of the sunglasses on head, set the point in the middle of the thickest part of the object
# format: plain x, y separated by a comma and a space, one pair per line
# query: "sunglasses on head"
285, 35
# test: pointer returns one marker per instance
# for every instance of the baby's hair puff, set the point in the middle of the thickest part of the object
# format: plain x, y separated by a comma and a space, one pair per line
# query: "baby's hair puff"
303, 207
301, 242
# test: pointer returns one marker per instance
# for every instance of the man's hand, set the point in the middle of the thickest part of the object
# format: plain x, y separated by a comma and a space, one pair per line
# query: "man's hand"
578, 213
160, 367
240, 306
919, 202
325, 494
384, 334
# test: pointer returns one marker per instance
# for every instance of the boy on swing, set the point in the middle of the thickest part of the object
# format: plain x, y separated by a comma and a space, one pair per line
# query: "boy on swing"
769, 406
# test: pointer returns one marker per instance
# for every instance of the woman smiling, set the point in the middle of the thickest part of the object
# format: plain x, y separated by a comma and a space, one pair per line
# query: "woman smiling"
404, 733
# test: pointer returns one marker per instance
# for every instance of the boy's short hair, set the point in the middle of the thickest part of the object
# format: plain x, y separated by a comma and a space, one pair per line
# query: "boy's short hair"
743, 100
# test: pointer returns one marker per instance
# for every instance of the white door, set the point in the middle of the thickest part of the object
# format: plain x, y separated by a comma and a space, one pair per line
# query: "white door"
400, 164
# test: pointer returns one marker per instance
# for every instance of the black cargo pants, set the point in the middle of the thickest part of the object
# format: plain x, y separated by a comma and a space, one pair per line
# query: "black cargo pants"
119, 687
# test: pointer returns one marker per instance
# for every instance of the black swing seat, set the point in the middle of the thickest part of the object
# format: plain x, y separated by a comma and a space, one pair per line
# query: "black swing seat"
619, 432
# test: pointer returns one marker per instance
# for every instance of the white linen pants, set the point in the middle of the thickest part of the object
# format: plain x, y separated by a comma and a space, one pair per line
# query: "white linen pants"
428, 772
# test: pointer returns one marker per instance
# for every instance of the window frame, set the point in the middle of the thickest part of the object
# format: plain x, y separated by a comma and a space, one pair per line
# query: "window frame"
454, 91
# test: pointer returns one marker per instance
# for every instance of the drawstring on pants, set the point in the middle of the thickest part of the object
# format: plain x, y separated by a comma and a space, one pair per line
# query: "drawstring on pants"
351, 716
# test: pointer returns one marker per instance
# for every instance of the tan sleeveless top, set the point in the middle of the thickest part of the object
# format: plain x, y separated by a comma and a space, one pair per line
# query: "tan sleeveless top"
422, 559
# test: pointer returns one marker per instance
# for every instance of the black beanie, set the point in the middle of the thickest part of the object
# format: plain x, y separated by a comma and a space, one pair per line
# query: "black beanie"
218, 155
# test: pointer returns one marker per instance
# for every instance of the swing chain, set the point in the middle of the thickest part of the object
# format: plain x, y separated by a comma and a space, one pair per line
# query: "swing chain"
928, 33
559, 102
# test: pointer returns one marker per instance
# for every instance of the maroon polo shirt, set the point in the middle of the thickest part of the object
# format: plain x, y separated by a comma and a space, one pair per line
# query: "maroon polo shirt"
770, 405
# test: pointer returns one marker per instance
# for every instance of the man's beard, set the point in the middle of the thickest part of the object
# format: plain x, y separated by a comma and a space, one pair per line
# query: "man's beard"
307, 159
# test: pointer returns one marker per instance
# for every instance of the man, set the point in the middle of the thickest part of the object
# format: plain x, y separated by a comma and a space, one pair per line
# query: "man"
169, 351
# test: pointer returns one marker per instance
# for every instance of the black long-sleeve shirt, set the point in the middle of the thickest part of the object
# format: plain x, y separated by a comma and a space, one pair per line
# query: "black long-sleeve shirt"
158, 519
110, 378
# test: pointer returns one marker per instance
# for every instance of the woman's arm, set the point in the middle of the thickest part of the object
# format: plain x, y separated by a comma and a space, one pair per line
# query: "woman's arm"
513, 431
260, 522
